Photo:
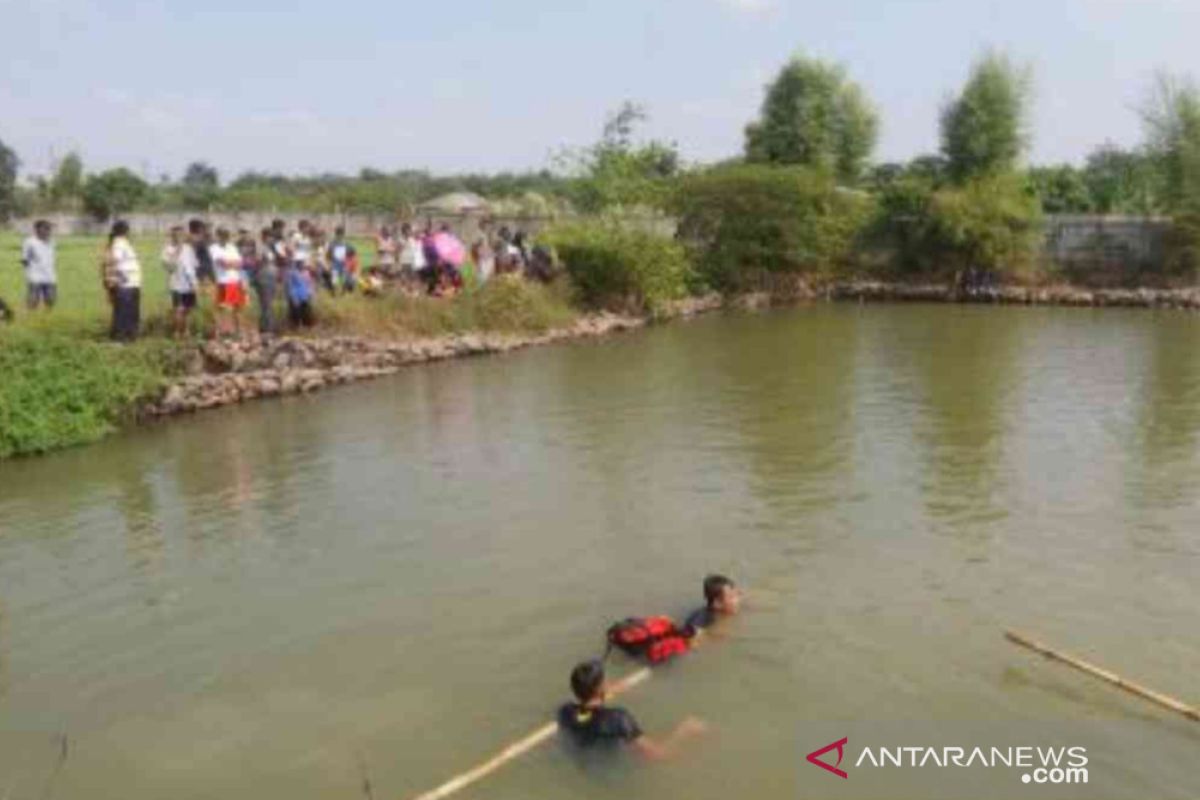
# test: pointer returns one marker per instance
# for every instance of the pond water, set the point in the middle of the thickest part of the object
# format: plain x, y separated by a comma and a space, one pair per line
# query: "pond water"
394, 579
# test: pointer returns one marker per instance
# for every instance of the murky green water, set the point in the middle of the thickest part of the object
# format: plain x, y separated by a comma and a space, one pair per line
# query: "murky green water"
258, 602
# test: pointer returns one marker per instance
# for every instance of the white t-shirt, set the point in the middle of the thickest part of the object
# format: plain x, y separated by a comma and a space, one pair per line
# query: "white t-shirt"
38, 257
227, 261
301, 248
413, 254
179, 260
125, 264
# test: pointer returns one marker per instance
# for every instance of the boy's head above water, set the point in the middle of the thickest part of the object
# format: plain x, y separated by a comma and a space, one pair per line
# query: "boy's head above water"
587, 682
721, 594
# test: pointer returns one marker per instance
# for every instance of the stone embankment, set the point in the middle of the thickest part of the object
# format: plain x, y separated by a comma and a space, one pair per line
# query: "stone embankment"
225, 373
874, 291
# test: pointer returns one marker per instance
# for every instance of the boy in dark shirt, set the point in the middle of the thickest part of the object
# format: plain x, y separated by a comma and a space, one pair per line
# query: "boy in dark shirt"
590, 722
721, 599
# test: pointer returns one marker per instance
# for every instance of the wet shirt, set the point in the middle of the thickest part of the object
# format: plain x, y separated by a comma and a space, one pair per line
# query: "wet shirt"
700, 619
592, 726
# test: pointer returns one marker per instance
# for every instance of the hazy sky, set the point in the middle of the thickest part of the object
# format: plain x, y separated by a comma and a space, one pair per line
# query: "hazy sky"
304, 86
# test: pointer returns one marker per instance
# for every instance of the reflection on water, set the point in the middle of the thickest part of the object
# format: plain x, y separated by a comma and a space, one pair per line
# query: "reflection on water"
400, 575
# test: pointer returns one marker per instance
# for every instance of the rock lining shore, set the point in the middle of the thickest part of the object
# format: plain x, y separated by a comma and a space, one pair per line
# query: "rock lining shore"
877, 291
226, 373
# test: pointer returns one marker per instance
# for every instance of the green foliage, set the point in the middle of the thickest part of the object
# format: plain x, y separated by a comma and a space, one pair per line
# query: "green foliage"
991, 222
620, 267
8, 182
618, 172
814, 116
1061, 189
1171, 116
984, 128
201, 185
1182, 247
66, 186
740, 222
60, 391
506, 304
1123, 181
114, 192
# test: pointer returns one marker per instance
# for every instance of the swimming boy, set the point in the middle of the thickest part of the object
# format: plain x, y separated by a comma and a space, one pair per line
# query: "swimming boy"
590, 722
721, 599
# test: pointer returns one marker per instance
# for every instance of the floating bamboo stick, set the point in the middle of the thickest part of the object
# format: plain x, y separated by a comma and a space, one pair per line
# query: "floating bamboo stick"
1157, 698
519, 747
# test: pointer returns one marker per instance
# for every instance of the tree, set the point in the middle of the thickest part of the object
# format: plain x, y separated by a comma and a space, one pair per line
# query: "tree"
814, 116
1061, 189
616, 170
201, 185
67, 183
984, 129
1171, 115
1123, 181
114, 192
8, 181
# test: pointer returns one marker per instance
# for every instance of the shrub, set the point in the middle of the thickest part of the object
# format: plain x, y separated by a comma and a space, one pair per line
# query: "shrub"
991, 223
59, 391
742, 221
1181, 247
620, 267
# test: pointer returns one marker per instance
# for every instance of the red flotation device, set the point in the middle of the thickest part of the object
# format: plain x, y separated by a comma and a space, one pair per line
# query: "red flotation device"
656, 639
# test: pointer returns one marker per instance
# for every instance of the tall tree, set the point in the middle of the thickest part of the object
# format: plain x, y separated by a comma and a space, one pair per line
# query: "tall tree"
1171, 115
985, 128
814, 115
8, 181
201, 185
67, 183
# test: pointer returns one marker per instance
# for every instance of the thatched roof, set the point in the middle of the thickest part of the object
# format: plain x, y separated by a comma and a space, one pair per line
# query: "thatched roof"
455, 203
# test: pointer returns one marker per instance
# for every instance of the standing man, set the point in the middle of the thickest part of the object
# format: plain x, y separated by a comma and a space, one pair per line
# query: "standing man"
198, 232
37, 256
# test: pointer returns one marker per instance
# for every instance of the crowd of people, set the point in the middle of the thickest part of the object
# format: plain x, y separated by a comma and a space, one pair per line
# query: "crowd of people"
230, 266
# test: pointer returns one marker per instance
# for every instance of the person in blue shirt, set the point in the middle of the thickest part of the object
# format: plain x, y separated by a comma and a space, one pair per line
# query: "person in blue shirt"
299, 297
591, 723
340, 253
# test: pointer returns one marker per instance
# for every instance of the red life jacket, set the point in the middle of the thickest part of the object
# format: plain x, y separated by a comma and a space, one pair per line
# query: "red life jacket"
655, 639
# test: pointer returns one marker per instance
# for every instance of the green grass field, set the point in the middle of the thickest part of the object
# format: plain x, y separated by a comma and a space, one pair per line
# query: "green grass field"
62, 383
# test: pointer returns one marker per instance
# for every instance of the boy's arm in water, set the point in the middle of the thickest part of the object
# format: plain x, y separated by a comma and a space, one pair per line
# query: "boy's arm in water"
660, 750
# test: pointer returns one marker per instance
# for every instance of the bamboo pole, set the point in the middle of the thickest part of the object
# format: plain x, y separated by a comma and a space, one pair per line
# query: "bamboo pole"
1157, 698
519, 747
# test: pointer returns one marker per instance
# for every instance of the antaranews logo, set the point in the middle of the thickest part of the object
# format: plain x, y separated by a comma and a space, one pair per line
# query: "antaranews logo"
1038, 765
815, 757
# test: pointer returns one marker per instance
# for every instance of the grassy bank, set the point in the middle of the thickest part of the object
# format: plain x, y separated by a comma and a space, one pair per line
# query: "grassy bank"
64, 384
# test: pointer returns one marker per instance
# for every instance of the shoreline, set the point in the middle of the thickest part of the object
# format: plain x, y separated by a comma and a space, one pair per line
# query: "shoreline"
232, 372
229, 373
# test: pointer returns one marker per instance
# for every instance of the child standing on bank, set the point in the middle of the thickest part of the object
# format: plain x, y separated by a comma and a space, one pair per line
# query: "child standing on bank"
231, 285
38, 256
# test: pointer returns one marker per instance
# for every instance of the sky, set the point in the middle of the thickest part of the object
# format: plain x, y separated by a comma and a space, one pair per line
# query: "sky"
307, 86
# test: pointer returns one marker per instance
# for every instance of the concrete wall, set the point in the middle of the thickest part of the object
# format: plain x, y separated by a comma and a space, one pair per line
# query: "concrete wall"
1105, 245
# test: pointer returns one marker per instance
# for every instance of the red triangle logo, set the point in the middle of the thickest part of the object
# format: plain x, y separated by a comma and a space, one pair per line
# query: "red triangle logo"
815, 757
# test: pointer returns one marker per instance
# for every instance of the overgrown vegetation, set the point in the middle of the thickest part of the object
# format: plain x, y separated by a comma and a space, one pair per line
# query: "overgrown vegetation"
742, 223
506, 304
59, 390
615, 266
